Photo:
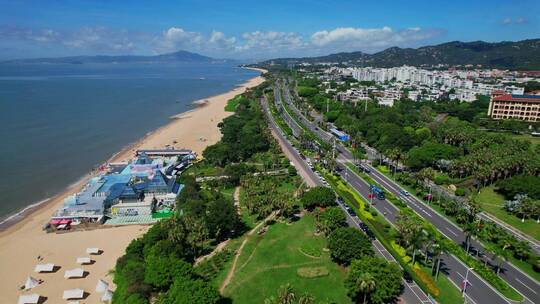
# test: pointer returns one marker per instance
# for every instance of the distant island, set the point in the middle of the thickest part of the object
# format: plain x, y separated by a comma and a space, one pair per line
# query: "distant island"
179, 56
523, 55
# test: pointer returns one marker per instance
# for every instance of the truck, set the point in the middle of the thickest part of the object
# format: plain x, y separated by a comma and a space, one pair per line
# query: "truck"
378, 192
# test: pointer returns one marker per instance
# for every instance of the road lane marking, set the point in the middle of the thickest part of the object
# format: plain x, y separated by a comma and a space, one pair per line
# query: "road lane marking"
526, 286
452, 232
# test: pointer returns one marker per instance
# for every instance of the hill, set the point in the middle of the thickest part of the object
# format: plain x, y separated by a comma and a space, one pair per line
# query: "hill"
180, 56
523, 54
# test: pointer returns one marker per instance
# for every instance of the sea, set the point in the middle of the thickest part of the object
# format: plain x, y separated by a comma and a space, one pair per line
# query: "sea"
59, 121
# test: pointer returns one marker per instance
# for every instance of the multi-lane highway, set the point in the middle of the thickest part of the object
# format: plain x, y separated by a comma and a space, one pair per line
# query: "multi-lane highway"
412, 293
479, 291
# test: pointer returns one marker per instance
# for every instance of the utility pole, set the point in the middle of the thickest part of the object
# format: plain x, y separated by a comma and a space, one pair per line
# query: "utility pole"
466, 281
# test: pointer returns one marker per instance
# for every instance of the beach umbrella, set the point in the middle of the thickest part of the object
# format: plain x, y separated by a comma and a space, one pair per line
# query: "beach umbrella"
44, 267
101, 286
84, 260
29, 299
92, 250
74, 273
73, 294
107, 296
31, 283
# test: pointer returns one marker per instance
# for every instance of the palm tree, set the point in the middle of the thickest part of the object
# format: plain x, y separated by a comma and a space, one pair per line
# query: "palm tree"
306, 298
286, 295
500, 255
469, 230
366, 284
438, 249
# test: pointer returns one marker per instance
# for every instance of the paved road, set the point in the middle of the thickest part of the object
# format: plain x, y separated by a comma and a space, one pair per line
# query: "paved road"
517, 279
480, 292
535, 245
412, 293
303, 169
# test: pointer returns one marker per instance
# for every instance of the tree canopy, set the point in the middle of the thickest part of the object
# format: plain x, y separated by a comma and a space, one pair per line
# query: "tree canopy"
386, 275
347, 244
318, 197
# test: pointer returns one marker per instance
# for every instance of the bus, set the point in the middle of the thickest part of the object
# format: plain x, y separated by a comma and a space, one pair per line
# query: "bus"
378, 192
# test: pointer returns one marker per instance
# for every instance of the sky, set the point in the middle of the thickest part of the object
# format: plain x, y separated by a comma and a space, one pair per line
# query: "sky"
254, 30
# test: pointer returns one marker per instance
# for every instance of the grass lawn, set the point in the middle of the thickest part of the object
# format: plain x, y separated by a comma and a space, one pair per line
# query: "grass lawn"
273, 259
492, 203
534, 140
232, 104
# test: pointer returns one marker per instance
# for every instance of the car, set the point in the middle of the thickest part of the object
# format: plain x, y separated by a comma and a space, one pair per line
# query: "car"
407, 277
351, 212
404, 192
363, 169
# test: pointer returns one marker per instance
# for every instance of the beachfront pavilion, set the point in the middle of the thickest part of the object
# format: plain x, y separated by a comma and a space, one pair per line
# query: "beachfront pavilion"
140, 188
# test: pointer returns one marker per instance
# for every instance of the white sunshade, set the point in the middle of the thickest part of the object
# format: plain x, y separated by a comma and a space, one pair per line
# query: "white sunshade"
84, 260
101, 286
29, 299
73, 294
44, 267
74, 273
92, 250
30, 283
107, 296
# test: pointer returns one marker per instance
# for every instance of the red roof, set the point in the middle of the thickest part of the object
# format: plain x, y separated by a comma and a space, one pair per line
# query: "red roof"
522, 98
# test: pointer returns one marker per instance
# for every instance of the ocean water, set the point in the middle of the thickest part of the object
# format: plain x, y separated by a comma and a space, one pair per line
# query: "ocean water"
58, 122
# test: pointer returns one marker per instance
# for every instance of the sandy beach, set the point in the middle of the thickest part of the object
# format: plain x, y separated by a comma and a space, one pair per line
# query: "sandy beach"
23, 242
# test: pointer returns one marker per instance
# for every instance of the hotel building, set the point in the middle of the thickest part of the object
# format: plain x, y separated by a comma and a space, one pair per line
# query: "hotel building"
509, 106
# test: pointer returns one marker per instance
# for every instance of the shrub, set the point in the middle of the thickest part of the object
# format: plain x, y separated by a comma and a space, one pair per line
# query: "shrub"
460, 192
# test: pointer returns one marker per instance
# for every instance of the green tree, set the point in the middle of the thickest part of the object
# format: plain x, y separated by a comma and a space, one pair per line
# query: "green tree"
347, 244
318, 197
190, 292
331, 219
366, 284
429, 153
161, 271
386, 275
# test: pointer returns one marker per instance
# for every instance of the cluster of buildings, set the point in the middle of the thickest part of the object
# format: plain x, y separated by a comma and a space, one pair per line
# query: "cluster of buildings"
138, 191
390, 84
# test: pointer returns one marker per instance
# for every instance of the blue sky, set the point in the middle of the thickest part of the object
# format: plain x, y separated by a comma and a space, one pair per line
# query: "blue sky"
254, 29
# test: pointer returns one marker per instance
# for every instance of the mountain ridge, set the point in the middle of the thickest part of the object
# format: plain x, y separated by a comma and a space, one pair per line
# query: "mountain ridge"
524, 54
178, 56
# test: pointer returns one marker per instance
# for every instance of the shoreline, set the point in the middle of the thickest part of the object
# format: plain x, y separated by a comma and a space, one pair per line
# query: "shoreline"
12, 220
23, 239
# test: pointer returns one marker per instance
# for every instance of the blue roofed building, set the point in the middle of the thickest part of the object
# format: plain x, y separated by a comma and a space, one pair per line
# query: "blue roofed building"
141, 188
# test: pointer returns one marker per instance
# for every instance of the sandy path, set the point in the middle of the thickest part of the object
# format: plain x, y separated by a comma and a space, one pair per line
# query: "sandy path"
21, 243
231, 272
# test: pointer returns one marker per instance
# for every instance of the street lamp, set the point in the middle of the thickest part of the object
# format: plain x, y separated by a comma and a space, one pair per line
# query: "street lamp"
466, 281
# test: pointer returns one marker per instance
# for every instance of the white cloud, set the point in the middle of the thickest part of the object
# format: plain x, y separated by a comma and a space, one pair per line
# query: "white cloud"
253, 44
521, 20
506, 21
271, 41
518, 20
369, 39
